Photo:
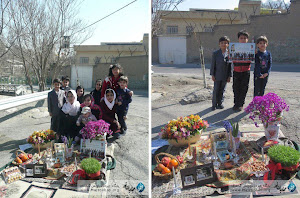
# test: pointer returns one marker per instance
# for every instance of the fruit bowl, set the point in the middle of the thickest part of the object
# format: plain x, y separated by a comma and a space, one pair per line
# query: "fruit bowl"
165, 172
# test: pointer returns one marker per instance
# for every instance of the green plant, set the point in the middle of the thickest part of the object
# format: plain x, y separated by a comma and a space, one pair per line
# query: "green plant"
285, 155
235, 129
90, 165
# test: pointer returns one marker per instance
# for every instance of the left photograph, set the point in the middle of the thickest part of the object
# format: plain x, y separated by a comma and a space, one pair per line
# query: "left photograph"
74, 98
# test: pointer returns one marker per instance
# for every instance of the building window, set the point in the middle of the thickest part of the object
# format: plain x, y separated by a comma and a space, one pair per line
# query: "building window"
113, 60
189, 29
208, 29
172, 30
84, 60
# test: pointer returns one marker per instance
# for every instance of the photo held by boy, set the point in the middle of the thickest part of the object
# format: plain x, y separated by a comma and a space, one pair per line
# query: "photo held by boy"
221, 72
263, 64
241, 76
124, 98
55, 102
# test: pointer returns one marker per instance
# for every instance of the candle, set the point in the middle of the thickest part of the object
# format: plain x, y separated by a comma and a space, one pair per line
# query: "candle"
262, 155
190, 152
39, 149
234, 147
75, 163
173, 170
230, 140
215, 149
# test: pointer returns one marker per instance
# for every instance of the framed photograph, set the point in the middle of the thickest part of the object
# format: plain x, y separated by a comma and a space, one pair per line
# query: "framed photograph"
224, 155
198, 175
220, 136
58, 147
242, 52
40, 170
29, 170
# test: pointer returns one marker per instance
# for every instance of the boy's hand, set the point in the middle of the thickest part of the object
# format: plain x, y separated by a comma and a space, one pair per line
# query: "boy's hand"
131, 93
213, 78
124, 117
265, 75
119, 103
119, 126
50, 114
228, 79
78, 124
262, 76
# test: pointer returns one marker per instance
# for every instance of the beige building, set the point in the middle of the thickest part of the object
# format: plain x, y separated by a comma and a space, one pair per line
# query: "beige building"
203, 20
89, 58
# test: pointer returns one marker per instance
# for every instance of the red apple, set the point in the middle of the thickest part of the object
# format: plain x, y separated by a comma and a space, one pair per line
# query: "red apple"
180, 159
165, 161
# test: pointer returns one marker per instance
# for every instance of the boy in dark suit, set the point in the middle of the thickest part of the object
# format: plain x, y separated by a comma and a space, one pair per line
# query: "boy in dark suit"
221, 72
55, 102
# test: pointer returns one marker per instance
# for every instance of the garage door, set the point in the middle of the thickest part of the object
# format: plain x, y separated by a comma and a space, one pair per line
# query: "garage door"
172, 50
84, 75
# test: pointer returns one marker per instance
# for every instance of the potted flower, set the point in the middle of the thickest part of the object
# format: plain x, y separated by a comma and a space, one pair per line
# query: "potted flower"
269, 110
91, 166
236, 134
95, 129
42, 138
183, 130
68, 146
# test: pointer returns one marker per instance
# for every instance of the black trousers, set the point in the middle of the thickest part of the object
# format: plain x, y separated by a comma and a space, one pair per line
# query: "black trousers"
218, 93
240, 87
55, 123
121, 114
260, 85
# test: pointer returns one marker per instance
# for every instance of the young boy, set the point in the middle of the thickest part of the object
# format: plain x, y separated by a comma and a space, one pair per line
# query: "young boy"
263, 64
65, 83
124, 98
241, 77
221, 72
55, 102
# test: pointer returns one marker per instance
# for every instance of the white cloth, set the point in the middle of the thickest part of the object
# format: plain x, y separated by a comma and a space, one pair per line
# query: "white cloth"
110, 105
71, 109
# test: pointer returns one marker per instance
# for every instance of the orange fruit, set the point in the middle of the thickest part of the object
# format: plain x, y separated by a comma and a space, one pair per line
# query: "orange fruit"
160, 167
166, 170
173, 163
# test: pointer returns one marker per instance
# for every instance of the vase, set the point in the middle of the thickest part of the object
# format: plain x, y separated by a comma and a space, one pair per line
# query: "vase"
69, 152
185, 141
43, 146
272, 130
94, 175
237, 140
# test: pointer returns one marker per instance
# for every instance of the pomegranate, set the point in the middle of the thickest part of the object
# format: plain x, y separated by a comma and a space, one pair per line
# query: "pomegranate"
165, 161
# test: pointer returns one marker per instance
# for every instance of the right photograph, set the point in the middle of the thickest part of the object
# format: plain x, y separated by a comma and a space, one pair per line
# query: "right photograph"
225, 98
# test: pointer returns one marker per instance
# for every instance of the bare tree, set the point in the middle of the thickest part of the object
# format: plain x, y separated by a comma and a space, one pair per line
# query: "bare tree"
276, 5
132, 51
217, 20
97, 60
106, 58
231, 18
46, 26
119, 53
158, 10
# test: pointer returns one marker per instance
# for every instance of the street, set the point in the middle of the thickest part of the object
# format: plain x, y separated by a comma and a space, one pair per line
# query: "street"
171, 83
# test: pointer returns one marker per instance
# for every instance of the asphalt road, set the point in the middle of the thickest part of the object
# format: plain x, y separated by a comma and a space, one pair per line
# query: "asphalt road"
195, 68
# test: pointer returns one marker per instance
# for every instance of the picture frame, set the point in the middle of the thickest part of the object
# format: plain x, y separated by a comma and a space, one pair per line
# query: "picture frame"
198, 175
220, 136
36, 170
241, 52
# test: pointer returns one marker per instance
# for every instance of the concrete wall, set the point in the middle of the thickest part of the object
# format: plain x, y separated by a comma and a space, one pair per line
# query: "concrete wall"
282, 30
135, 67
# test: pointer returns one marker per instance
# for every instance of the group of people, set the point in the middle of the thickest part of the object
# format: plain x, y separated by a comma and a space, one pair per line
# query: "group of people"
71, 110
222, 70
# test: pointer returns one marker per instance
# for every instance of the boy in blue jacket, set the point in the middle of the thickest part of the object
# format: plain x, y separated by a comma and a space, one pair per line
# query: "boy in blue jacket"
124, 98
263, 64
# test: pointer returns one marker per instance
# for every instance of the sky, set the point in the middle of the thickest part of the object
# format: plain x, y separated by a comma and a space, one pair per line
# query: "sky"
127, 25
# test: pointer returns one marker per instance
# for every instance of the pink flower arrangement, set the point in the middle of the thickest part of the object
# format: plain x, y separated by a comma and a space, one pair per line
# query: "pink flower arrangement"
95, 128
267, 108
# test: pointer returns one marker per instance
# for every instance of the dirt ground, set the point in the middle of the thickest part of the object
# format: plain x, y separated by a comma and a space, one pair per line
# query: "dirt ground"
168, 90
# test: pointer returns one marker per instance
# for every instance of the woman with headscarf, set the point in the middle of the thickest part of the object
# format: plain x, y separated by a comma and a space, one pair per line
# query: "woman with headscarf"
70, 113
109, 107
